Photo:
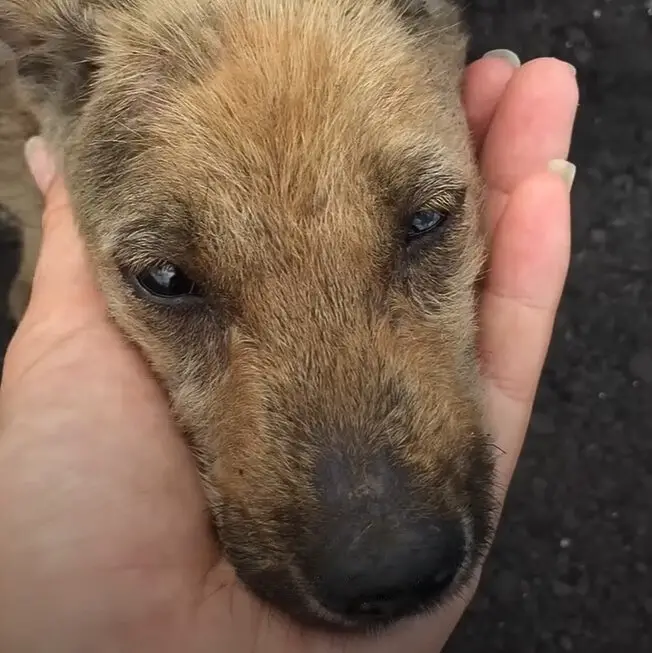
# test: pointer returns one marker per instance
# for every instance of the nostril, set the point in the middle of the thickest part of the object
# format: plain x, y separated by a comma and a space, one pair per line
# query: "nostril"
445, 576
378, 606
422, 581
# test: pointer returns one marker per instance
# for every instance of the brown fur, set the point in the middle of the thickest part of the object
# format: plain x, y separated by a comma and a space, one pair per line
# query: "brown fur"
273, 149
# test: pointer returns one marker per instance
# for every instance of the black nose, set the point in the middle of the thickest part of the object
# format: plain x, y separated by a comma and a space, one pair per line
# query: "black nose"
386, 554
384, 578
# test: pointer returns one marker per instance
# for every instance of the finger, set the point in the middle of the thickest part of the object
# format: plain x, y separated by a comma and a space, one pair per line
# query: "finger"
484, 83
532, 125
528, 268
63, 282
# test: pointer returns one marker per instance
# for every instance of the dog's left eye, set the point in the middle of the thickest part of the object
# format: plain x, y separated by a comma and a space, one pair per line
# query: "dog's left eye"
166, 282
425, 222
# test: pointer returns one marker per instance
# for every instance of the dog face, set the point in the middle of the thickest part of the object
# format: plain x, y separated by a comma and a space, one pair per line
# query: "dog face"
281, 203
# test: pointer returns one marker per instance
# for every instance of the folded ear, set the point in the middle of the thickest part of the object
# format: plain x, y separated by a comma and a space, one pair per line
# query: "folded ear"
55, 47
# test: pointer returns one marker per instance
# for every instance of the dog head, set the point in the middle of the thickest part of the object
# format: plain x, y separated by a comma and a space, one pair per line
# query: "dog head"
281, 203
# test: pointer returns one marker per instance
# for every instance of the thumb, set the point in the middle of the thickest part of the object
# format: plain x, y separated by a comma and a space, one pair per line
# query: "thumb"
63, 288
64, 301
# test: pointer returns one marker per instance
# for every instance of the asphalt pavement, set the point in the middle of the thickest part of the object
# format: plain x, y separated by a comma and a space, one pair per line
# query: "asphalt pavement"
571, 569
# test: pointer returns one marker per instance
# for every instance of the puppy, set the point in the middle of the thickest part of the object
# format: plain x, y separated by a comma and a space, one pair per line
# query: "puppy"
280, 201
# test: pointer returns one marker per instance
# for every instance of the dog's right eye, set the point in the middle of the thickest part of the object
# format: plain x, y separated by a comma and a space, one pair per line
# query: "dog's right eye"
425, 222
166, 283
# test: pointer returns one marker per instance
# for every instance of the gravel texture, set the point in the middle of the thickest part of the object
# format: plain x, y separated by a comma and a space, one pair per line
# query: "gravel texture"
572, 565
571, 569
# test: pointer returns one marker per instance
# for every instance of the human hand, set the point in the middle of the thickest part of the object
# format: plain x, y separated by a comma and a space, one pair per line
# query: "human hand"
104, 542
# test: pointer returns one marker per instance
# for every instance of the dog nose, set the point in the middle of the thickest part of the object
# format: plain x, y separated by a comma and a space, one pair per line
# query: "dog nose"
394, 579
387, 555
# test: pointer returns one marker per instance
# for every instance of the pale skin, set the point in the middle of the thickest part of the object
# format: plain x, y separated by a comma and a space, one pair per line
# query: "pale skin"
103, 538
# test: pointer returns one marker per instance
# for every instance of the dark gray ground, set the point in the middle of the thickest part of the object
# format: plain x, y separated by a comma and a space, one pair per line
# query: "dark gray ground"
572, 565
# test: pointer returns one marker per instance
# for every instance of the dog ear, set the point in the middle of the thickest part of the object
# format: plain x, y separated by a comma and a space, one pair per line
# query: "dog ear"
55, 48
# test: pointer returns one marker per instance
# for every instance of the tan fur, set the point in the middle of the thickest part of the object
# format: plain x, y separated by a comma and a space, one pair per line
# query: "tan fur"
272, 148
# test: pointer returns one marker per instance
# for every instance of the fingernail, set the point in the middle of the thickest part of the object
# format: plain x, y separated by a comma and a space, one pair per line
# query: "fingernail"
565, 169
507, 55
573, 69
39, 162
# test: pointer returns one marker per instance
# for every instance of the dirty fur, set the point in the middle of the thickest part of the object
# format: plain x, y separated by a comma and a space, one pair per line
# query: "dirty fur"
275, 150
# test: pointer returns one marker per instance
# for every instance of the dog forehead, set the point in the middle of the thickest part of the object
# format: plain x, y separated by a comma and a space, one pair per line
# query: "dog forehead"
264, 87
282, 115
265, 120
279, 77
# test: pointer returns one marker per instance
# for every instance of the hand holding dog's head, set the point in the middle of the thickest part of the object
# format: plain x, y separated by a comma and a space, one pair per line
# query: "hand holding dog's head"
528, 264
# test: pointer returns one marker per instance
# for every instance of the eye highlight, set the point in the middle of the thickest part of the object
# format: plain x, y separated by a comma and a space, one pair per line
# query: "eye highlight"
425, 222
165, 283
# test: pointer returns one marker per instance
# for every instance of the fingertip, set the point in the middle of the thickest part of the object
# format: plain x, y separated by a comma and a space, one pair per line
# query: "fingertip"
556, 74
485, 81
505, 55
553, 64
43, 169
532, 124
63, 282
39, 162
564, 169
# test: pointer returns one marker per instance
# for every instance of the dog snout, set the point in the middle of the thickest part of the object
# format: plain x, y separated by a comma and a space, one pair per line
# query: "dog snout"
386, 552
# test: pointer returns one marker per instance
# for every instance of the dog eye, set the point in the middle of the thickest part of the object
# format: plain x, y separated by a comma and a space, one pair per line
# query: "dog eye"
425, 222
166, 282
